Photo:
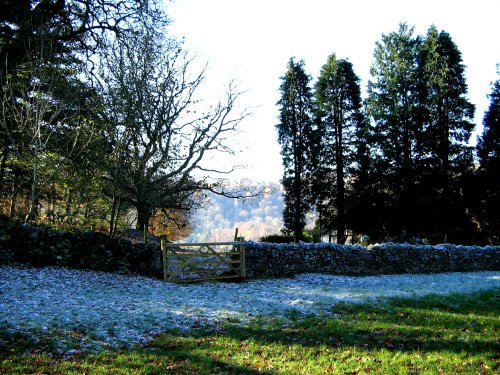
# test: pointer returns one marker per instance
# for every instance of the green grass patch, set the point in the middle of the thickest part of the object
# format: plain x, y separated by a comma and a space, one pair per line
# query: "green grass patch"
456, 334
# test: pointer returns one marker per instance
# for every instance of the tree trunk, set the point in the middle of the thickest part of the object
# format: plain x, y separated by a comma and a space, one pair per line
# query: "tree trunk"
341, 219
12, 210
115, 210
339, 149
407, 176
3, 165
31, 210
118, 210
297, 227
297, 230
297, 185
143, 216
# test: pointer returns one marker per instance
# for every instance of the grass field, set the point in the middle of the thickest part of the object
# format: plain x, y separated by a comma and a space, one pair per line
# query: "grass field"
455, 334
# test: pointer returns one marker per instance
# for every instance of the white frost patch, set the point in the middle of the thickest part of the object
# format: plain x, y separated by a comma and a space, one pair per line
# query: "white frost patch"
112, 310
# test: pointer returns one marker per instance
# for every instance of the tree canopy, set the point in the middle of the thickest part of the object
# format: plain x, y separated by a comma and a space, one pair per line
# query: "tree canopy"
101, 113
160, 128
295, 134
486, 192
399, 165
338, 112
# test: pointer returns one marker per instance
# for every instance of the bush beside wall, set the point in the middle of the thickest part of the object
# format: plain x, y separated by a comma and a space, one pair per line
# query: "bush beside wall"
278, 260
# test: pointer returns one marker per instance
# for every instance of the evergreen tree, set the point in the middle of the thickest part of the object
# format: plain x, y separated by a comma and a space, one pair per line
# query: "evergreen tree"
391, 103
489, 143
446, 116
338, 110
365, 200
488, 181
295, 133
421, 125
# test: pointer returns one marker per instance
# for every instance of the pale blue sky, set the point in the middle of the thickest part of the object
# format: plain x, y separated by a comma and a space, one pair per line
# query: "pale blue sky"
252, 40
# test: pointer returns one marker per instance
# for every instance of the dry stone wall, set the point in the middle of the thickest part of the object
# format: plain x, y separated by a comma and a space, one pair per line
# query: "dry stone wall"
278, 260
41, 246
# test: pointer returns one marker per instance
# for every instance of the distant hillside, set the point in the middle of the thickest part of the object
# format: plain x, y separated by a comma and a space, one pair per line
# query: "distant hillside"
254, 217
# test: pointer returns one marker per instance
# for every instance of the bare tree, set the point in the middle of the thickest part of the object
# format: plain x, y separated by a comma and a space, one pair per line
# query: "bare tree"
160, 131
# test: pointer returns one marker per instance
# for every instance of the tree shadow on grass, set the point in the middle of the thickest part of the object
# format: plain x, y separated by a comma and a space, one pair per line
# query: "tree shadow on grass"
184, 358
172, 353
466, 326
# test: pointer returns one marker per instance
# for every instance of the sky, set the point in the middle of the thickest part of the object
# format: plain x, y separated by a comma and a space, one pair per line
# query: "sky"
251, 41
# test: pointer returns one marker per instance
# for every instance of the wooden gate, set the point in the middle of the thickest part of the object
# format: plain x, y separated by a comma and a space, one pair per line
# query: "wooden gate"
194, 262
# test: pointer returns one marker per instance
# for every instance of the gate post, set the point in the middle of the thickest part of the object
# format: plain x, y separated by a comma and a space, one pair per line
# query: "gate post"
242, 258
163, 243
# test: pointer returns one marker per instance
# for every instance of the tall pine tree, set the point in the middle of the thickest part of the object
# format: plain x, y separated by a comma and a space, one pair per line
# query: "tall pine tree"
365, 200
391, 104
489, 143
488, 181
338, 110
447, 125
295, 132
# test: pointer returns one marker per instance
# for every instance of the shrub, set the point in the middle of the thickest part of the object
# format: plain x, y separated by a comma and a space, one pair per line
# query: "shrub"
283, 238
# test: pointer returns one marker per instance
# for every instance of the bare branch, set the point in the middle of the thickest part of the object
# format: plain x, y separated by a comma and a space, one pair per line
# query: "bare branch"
165, 130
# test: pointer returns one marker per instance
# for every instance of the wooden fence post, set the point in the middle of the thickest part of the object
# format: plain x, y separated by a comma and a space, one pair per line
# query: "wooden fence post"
163, 243
242, 257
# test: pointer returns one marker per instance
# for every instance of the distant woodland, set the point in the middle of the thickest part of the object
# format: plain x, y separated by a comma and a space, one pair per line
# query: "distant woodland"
102, 126
255, 218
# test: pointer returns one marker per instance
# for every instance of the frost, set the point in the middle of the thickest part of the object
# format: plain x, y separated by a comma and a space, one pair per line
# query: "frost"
114, 310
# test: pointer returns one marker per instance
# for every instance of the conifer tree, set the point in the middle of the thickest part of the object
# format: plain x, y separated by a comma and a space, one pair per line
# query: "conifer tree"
295, 132
391, 104
447, 125
338, 110
365, 205
417, 100
489, 143
488, 181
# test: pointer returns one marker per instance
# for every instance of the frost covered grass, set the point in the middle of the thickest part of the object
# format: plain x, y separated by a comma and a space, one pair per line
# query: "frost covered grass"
65, 321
